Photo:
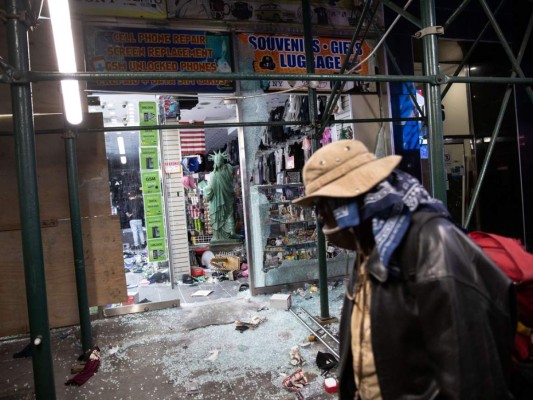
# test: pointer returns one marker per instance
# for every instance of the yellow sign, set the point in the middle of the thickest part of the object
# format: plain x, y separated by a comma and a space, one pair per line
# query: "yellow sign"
286, 55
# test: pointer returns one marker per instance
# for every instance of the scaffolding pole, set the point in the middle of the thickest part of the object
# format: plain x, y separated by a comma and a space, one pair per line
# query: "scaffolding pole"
313, 116
43, 76
433, 103
77, 241
28, 193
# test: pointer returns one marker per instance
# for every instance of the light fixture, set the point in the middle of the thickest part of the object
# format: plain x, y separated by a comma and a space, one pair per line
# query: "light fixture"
66, 58
123, 159
121, 147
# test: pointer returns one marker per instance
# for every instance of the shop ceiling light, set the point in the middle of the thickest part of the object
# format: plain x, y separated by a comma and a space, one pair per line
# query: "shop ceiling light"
121, 148
66, 59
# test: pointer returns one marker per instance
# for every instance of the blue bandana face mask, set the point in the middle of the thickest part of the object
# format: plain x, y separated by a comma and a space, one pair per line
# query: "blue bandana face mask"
346, 215
345, 211
389, 205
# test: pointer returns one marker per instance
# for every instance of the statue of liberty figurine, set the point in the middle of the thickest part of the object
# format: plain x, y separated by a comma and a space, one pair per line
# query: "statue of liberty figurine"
219, 194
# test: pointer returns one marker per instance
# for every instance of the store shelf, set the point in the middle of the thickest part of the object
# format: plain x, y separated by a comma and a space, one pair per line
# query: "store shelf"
279, 186
307, 221
284, 246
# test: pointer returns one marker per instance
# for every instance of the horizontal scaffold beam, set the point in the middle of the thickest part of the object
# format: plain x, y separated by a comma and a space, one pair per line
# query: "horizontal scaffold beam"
40, 76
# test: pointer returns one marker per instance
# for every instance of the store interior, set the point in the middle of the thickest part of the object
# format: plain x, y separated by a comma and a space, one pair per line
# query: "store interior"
283, 236
154, 281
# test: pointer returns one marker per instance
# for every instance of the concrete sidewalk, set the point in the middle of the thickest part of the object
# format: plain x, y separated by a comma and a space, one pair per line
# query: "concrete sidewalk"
166, 354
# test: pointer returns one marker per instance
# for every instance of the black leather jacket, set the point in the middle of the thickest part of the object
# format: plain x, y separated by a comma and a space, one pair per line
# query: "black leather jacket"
444, 328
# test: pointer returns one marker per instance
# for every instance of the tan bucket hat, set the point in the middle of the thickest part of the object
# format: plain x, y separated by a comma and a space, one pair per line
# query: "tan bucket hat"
343, 169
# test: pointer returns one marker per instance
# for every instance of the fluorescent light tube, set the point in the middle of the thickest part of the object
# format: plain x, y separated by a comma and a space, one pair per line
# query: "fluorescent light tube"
66, 58
121, 148
72, 101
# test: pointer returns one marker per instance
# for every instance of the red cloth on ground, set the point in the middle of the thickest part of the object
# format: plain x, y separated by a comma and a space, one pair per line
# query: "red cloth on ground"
91, 368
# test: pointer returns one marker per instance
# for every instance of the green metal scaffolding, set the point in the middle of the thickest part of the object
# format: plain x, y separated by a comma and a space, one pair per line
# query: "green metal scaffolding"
19, 16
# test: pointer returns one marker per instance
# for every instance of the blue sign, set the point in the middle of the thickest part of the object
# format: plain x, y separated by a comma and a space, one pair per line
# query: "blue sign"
157, 50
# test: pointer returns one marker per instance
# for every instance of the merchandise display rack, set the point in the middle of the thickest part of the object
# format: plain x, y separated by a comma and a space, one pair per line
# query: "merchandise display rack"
292, 235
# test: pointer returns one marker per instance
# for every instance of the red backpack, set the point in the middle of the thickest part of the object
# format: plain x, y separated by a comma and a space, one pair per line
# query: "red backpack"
517, 264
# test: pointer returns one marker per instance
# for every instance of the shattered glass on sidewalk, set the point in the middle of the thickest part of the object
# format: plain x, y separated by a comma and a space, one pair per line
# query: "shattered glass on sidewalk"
191, 352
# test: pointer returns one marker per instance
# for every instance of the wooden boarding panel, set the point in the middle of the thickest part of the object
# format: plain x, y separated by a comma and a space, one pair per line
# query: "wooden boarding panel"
106, 282
93, 177
102, 238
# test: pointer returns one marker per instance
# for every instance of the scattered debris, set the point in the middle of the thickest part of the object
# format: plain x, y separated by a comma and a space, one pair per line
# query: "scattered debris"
213, 355
326, 361
254, 323
331, 385
90, 368
311, 391
296, 357
202, 293
25, 352
67, 333
295, 381
241, 328
192, 389
77, 368
159, 277
281, 301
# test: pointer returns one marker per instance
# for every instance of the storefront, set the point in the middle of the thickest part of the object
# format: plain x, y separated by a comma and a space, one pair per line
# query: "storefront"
176, 228
172, 165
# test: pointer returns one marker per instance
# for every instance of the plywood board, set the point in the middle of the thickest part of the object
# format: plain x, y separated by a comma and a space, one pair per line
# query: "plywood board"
104, 270
52, 177
101, 231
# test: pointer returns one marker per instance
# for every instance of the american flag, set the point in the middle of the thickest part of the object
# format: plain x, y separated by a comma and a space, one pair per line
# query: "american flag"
192, 141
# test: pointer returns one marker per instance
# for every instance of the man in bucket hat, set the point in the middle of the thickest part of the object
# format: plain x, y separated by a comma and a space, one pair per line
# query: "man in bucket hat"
426, 314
